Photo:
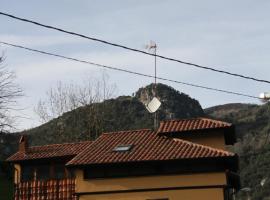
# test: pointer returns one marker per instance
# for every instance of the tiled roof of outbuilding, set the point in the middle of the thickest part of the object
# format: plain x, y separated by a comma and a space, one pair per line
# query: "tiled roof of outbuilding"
183, 125
50, 151
146, 146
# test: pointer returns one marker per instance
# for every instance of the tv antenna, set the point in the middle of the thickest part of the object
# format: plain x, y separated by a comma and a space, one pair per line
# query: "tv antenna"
152, 47
154, 104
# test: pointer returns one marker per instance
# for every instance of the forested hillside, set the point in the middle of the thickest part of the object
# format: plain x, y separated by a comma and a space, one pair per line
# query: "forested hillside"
122, 113
252, 128
128, 112
88, 122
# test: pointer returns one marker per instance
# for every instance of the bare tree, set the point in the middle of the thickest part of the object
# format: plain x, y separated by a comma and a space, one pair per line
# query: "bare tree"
65, 97
9, 93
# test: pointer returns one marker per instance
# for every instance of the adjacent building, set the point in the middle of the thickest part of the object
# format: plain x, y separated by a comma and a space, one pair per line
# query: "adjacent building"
183, 159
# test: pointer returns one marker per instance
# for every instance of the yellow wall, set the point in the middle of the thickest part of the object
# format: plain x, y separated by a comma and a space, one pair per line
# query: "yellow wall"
197, 194
151, 182
215, 140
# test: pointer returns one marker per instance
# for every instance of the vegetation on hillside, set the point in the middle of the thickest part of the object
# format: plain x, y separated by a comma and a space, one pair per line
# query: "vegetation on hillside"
128, 112
122, 113
89, 121
253, 146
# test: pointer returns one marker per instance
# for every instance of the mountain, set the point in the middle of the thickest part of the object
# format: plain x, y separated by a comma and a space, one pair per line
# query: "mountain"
87, 123
128, 112
122, 113
253, 146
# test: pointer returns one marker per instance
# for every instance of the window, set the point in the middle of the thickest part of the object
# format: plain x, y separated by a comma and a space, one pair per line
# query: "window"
59, 171
43, 172
70, 173
122, 148
28, 173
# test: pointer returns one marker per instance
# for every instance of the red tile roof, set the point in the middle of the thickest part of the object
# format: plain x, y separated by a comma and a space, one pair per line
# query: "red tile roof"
50, 151
184, 125
146, 146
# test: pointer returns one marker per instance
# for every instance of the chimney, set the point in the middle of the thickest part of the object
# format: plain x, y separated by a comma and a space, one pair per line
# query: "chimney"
23, 144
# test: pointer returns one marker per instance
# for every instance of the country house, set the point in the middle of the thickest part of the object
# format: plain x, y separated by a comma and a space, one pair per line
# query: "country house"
183, 159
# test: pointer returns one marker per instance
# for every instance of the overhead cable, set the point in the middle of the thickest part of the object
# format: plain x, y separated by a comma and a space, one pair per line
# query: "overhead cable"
134, 49
128, 71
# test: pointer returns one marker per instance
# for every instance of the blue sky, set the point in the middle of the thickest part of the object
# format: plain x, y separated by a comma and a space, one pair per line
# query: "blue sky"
228, 35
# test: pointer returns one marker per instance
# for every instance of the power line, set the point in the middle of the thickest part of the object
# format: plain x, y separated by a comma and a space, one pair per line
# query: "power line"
135, 50
129, 71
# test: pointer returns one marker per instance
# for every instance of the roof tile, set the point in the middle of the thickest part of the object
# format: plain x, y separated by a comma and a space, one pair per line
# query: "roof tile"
50, 151
184, 125
147, 146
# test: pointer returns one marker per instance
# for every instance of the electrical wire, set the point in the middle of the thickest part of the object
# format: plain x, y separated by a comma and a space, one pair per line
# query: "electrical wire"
128, 71
134, 49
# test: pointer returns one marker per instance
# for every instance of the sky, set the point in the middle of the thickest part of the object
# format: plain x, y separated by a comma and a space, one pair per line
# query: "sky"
228, 35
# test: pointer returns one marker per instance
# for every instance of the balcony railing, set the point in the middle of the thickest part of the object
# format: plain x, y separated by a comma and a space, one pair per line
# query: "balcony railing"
62, 189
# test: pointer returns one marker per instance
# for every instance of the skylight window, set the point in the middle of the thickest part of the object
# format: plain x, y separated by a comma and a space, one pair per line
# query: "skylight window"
122, 148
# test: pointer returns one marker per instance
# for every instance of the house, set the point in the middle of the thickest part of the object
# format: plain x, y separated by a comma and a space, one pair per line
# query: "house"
183, 159
40, 172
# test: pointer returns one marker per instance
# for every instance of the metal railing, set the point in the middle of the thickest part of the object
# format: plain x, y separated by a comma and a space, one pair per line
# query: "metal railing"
62, 189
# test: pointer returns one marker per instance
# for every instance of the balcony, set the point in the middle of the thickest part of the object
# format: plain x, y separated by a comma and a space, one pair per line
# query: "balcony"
62, 189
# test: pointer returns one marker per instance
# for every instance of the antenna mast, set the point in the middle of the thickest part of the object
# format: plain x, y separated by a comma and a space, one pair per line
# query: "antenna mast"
153, 46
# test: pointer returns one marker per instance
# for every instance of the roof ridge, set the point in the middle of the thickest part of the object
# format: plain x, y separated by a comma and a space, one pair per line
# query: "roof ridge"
78, 155
125, 131
59, 144
216, 120
204, 146
194, 118
50, 150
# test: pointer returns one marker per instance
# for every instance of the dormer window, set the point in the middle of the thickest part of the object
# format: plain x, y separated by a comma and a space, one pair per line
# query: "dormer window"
123, 148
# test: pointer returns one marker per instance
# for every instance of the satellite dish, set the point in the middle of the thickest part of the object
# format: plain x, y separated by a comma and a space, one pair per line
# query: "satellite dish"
153, 105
